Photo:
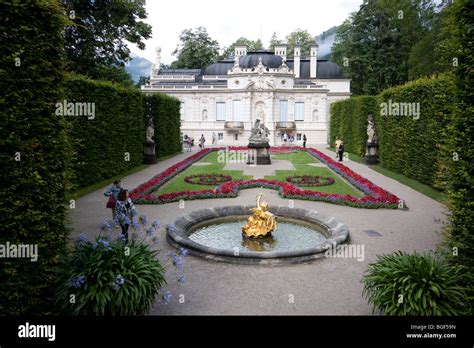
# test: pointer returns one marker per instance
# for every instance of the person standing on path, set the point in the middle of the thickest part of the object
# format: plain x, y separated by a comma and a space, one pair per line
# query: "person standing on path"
285, 138
338, 143
304, 140
213, 138
202, 141
340, 150
112, 192
125, 211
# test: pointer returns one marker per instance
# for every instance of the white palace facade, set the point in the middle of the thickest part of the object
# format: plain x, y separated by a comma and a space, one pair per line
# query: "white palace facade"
224, 99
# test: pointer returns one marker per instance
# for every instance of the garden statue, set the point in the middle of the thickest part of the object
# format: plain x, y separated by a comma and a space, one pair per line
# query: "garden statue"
259, 141
149, 151
261, 222
371, 152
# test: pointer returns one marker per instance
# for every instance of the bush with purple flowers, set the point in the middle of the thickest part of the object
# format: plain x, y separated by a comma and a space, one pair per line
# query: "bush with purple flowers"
108, 277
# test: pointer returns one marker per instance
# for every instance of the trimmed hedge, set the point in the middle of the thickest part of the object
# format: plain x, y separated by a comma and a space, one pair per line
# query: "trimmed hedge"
166, 118
101, 143
409, 145
460, 138
32, 195
349, 121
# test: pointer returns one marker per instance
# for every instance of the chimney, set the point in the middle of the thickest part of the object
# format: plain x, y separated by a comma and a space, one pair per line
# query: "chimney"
240, 50
280, 50
313, 49
296, 62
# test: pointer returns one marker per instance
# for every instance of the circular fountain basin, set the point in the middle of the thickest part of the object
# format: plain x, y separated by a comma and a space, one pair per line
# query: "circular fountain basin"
216, 233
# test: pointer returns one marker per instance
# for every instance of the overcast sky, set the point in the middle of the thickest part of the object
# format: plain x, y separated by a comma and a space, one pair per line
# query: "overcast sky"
227, 20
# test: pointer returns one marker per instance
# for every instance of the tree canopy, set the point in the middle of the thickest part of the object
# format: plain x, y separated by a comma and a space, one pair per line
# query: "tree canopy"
97, 33
196, 50
387, 43
301, 37
251, 46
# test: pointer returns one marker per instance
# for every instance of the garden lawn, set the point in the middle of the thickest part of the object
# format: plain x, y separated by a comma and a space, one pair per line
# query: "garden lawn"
177, 184
300, 160
298, 157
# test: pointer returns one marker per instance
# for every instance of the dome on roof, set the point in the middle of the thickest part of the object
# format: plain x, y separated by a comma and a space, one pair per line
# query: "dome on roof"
269, 59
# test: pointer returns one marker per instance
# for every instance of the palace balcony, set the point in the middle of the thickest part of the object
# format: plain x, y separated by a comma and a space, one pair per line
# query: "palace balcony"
285, 125
233, 126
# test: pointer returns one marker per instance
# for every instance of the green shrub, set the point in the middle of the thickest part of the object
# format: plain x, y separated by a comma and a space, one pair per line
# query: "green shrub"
166, 118
112, 142
34, 152
403, 284
108, 277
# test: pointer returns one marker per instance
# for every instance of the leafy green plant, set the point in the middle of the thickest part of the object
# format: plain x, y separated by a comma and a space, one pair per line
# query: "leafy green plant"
109, 277
404, 284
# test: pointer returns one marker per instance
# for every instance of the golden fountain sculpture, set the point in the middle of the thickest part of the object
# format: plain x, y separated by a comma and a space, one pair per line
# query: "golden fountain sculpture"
261, 222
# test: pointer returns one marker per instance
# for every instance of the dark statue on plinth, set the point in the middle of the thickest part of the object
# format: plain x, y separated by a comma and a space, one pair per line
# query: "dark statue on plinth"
371, 152
259, 142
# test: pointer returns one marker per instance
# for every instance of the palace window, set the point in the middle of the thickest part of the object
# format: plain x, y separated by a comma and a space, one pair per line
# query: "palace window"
298, 136
220, 136
283, 110
182, 111
220, 111
299, 111
236, 137
237, 110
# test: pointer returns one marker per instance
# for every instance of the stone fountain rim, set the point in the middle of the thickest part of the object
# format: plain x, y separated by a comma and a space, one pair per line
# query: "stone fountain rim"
177, 235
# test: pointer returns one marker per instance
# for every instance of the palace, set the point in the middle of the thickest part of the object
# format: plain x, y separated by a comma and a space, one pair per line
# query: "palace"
223, 100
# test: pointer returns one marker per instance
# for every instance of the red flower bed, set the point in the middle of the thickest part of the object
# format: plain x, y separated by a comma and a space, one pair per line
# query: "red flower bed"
375, 197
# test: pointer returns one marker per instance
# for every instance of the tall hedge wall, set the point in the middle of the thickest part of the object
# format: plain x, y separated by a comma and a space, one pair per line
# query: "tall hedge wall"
166, 118
349, 121
412, 145
34, 153
460, 140
409, 145
101, 143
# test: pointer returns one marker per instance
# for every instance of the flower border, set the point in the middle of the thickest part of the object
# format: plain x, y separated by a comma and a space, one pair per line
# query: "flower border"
375, 196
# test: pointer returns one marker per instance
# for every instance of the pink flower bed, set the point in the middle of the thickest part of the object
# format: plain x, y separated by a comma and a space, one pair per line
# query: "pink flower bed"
375, 196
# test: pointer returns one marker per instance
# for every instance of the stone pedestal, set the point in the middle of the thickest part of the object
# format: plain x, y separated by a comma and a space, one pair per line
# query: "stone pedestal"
371, 154
262, 152
149, 151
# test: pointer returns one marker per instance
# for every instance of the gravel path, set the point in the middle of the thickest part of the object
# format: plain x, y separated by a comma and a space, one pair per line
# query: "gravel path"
328, 286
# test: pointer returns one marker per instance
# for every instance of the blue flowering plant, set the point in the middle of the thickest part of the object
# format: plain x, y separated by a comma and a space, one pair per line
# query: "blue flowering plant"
106, 276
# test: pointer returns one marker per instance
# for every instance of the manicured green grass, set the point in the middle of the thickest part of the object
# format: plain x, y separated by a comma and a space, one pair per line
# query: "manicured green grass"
299, 157
177, 184
340, 186
412, 183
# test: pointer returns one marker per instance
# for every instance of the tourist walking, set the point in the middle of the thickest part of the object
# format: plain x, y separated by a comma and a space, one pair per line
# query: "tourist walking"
112, 192
285, 138
125, 211
304, 140
340, 150
202, 141
214, 138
